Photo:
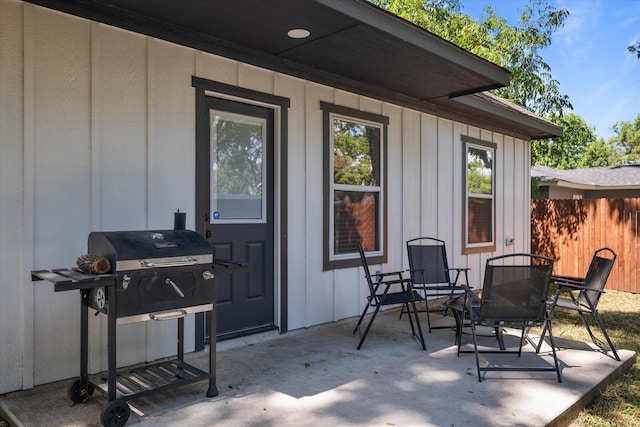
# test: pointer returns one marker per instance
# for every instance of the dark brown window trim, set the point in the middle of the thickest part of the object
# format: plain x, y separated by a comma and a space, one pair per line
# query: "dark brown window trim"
327, 110
490, 247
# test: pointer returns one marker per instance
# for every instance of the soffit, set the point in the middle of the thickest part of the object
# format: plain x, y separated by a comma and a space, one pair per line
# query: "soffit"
350, 39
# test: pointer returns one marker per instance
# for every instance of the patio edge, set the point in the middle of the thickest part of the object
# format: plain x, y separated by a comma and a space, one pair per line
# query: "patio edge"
589, 397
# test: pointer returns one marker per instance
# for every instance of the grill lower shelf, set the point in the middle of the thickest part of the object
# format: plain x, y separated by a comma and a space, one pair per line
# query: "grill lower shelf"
147, 379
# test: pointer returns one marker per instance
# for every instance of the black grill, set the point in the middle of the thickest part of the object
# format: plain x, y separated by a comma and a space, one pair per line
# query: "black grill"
155, 275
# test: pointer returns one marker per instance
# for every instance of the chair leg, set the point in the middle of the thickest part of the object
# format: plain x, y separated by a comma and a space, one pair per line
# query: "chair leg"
586, 325
595, 340
366, 331
547, 326
426, 309
500, 337
542, 334
521, 341
459, 325
596, 317
420, 336
364, 312
475, 349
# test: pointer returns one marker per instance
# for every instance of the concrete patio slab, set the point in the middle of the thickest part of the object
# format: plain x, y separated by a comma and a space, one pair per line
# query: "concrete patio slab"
315, 376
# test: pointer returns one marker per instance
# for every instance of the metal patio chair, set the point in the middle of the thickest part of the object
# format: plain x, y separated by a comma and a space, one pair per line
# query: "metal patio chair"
514, 295
380, 295
582, 296
431, 273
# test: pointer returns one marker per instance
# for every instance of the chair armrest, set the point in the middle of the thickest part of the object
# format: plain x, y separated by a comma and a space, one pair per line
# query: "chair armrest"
566, 280
574, 287
459, 269
397, 280
390, 273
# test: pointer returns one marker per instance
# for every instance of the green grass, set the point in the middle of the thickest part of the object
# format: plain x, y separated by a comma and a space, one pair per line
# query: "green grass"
619, 404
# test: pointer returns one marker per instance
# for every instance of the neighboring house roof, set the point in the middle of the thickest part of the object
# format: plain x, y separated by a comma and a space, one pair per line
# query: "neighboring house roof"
603, 178
353, 45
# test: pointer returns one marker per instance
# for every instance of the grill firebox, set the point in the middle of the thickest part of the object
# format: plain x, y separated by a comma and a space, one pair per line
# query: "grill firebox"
157, 273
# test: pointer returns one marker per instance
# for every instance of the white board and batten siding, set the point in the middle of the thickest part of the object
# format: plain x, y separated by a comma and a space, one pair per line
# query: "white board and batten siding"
97, 133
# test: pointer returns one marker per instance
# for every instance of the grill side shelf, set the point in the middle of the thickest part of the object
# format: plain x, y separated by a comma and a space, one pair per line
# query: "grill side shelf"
65, 279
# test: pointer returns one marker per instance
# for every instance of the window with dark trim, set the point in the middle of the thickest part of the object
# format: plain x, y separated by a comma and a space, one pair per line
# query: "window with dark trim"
479, 214
354, 186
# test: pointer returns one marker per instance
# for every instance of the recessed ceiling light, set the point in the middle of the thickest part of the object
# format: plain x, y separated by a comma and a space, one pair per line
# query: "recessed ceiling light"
298, 33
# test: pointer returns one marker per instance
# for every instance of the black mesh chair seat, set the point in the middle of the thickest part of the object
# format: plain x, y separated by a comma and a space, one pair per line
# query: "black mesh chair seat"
380, 295
514, 295
582, 296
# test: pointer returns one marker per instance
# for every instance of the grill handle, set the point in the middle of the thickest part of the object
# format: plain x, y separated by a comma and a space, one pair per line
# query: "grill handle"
168, 315
174, 286
185, 262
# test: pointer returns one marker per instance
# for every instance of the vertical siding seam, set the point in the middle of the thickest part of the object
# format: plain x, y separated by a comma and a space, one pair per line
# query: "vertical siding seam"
148, 61
402, 224
94, 38
421, 173
306, 199
436, 182
28, 190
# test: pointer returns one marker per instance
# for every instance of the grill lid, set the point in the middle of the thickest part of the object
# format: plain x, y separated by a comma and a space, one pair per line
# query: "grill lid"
128, 250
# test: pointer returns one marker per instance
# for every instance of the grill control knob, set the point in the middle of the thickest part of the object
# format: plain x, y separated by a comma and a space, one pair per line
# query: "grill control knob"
207, 275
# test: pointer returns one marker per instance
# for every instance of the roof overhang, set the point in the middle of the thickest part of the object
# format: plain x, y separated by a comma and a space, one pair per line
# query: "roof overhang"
517, 118
352, 45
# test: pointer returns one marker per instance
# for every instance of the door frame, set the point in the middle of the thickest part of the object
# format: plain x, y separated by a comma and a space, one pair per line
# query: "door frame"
205, 88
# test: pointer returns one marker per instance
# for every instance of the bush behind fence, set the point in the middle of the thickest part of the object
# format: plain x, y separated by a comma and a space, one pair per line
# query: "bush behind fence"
572, 230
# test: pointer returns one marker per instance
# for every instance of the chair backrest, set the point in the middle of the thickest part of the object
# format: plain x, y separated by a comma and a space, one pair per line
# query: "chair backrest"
597, 275
515, 288
365, 266
428, 260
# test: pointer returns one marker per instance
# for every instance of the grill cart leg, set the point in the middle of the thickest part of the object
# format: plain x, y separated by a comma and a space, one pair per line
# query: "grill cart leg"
116, 412
80, 390
181, 339
111, 343
213, 390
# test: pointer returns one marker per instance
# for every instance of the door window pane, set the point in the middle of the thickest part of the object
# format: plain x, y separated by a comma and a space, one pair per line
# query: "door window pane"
237, 167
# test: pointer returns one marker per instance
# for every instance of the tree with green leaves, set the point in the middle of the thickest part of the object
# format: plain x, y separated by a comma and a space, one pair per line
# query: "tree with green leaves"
600, 153
634, 48
577, 148
514, 47
627, 140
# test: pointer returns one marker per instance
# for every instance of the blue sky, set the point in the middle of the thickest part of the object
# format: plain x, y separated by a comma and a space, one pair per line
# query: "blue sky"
589, 56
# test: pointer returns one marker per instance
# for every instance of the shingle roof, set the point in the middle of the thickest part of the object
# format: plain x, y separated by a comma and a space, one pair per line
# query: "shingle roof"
610, 176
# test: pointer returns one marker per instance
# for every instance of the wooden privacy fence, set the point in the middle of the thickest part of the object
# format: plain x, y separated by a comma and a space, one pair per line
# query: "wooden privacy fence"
572, 230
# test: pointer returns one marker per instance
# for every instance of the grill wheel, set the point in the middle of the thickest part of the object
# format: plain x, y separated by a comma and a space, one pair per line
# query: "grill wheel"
115, 413
77, 395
